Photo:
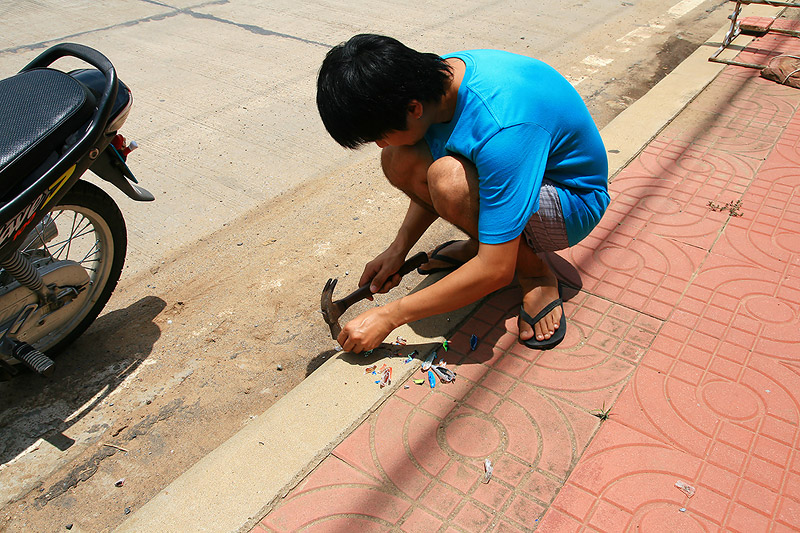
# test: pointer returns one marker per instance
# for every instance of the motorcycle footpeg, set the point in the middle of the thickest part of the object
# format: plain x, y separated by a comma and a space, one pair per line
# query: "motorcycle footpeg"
33, 359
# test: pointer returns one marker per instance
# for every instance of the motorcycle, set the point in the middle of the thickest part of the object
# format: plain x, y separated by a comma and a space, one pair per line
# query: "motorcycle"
62, 239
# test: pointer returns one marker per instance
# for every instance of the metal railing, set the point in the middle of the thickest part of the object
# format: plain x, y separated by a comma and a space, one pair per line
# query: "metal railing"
735, 30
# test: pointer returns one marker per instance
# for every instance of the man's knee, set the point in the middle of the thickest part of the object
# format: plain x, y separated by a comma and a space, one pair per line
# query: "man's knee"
452, 182
404, 165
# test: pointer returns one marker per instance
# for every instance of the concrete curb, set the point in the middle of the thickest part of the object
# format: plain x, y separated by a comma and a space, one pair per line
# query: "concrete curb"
235, 485
230, 488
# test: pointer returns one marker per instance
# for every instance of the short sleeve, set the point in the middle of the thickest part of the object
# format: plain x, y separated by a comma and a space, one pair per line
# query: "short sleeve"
511, 166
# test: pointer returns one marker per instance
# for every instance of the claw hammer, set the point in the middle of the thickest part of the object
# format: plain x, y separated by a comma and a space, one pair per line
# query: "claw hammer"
332, 311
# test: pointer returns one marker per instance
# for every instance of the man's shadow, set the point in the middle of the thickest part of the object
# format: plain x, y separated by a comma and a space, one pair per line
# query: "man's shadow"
570, 284
87, 372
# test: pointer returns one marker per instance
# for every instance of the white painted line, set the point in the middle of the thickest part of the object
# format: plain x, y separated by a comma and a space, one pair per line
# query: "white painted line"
640, 34
87, 404
632, 38
575, 81
594, 61
32, 448
683, 7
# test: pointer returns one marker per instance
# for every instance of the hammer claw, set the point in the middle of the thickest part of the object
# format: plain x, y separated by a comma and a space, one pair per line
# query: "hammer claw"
326, 300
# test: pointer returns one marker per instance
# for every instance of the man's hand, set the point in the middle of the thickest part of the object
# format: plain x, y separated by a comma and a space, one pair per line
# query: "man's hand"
366, 331
379, 272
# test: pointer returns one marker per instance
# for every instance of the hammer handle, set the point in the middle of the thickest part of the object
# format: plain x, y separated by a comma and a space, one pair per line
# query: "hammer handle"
363, 292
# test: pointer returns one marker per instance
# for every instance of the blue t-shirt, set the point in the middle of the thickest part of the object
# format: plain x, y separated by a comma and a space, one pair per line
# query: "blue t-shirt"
519, 121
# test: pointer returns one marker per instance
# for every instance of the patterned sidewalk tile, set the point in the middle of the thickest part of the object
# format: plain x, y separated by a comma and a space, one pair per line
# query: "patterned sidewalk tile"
668, 190
670, 206
417, 463
740, 113
617, 264
715, 402
772, 45
769, 235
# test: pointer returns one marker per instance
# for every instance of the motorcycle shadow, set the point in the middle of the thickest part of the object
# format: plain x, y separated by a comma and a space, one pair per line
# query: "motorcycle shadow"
86, 373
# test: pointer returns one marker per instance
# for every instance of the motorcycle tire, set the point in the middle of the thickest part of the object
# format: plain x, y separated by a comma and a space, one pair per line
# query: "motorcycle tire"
86, 212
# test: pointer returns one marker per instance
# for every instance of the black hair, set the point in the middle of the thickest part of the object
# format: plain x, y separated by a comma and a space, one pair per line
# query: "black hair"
365, 85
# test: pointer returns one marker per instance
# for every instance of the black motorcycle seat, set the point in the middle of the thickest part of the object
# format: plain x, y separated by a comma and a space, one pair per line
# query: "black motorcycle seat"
39, 110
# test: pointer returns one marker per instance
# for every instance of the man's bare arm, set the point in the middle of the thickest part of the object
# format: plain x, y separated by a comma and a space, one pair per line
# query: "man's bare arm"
417, 220
492, 269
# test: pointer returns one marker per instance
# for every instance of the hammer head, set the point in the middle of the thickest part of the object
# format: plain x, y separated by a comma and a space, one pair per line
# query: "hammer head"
330, 311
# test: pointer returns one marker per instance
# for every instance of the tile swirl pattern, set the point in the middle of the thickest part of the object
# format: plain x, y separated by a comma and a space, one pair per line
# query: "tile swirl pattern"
715, 402
422, 452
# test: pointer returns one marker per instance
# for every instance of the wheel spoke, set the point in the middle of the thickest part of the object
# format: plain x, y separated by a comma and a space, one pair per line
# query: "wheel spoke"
79, 227
94, 250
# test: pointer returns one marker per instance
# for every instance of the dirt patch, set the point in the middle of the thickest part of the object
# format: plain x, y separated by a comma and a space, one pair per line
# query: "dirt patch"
187, 353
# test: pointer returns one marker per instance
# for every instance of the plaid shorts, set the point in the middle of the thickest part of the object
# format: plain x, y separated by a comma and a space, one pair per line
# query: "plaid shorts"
546, 230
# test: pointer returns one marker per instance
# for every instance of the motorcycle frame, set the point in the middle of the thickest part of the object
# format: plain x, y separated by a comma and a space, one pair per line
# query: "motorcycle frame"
21, 214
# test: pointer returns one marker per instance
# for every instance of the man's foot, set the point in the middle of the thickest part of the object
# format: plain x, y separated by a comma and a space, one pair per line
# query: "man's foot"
449, 256
541, 293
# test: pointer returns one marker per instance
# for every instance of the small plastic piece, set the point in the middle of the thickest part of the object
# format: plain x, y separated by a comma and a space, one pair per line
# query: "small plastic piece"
487, 465
400, 341
445, 374
445, 345
431, 378
370, 369
473, 342
120, 482
428, 361
685, 488
368, 352
386, 378
419, 381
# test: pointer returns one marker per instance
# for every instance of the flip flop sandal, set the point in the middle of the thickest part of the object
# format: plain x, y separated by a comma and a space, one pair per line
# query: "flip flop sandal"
435, 256
557, 336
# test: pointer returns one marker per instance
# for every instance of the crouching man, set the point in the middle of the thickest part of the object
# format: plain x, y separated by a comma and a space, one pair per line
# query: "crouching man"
499, 145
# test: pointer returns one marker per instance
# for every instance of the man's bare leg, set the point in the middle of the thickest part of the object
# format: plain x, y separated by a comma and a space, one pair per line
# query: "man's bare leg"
449, 188
461, 251
406, 167
539, 288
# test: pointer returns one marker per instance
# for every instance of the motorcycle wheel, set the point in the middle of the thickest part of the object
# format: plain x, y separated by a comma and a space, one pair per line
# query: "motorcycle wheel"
91, 232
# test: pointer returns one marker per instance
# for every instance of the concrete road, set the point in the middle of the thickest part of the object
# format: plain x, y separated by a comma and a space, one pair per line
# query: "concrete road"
224, 90
255, 208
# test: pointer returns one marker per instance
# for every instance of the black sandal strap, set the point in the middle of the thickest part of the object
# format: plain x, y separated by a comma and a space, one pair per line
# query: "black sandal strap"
543, 313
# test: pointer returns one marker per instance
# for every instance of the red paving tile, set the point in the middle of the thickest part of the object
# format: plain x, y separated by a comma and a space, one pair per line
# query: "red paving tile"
685, 323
